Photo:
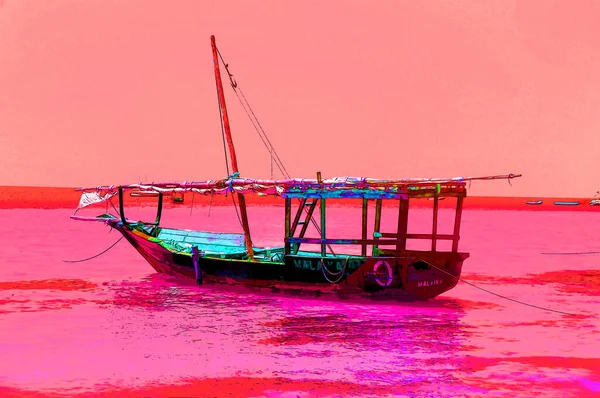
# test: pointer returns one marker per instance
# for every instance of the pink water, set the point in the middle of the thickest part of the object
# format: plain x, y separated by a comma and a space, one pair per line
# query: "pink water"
112, 326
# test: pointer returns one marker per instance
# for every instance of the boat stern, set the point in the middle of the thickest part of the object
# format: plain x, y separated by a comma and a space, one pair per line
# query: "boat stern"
421, 275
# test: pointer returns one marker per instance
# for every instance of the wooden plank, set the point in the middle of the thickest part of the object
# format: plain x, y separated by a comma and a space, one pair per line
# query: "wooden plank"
213, 235
342, 194
402, 224
205, 238
457, 218
317, 241
357, 193
417, 236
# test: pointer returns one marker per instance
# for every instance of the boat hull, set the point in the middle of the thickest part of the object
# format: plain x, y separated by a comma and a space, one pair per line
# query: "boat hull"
410, 276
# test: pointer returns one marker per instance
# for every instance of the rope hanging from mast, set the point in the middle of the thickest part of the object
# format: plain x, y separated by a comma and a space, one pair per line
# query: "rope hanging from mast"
254, 120
223, 134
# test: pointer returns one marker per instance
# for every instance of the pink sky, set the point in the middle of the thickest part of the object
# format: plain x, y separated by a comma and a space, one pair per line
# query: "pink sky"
107, 92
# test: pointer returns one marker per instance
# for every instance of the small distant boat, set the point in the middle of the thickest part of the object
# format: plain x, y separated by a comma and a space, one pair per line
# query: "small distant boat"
595, 201
534, 202
144, 194
178, 197
560, 203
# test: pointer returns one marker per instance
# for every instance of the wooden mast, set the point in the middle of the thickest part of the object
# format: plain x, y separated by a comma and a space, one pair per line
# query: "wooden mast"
234, 166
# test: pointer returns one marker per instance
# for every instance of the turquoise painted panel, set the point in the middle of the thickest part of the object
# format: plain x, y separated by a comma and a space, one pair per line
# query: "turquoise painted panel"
208, 242
203, 238
347, 194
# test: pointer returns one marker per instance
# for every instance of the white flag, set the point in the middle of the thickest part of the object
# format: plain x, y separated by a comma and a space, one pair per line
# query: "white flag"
89, 198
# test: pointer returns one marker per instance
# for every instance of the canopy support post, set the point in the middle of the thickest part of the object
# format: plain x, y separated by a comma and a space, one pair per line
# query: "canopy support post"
456, 237
323, 236
377, 227
365, 210
402, 224
323, 217
435, 223
122, 207
288, 214
159, 210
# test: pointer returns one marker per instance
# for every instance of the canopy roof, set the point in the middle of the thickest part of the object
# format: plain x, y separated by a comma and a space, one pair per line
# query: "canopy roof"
337, 187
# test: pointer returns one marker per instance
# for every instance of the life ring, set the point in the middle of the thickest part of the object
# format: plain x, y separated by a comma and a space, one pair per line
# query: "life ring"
390, 276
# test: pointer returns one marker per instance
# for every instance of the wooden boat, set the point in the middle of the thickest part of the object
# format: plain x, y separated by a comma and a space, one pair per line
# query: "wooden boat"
178, 197
383, 266
536, 202
595, 201
142, 194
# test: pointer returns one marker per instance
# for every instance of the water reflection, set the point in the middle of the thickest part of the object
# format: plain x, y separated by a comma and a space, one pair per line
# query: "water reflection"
168, 336
259, 333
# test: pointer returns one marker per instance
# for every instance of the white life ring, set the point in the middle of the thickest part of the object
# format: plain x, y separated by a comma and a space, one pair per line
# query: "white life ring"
388, 281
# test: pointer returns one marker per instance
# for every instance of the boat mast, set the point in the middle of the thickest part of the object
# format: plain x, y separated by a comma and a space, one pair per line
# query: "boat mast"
234, 166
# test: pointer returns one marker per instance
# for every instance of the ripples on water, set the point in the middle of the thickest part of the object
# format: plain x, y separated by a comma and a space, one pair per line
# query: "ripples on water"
111, 326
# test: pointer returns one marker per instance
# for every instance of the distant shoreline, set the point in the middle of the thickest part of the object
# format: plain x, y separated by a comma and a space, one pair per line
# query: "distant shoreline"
12, 197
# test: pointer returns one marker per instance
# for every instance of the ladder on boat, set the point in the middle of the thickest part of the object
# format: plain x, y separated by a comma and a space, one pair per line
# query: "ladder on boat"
306, 208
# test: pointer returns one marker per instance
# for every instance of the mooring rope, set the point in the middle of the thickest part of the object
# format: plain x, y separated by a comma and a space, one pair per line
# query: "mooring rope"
567, 253
496, 294
97, 255
334, 273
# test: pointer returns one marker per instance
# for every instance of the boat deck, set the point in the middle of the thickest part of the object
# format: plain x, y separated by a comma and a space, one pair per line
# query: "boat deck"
213, 244
225, 245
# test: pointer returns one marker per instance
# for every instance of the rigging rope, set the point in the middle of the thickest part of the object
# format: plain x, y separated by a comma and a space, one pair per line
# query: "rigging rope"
496, 294
210, 204
113, 205
97, 255
253, 119
192, 207
222, 130
261, 133
270, 145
